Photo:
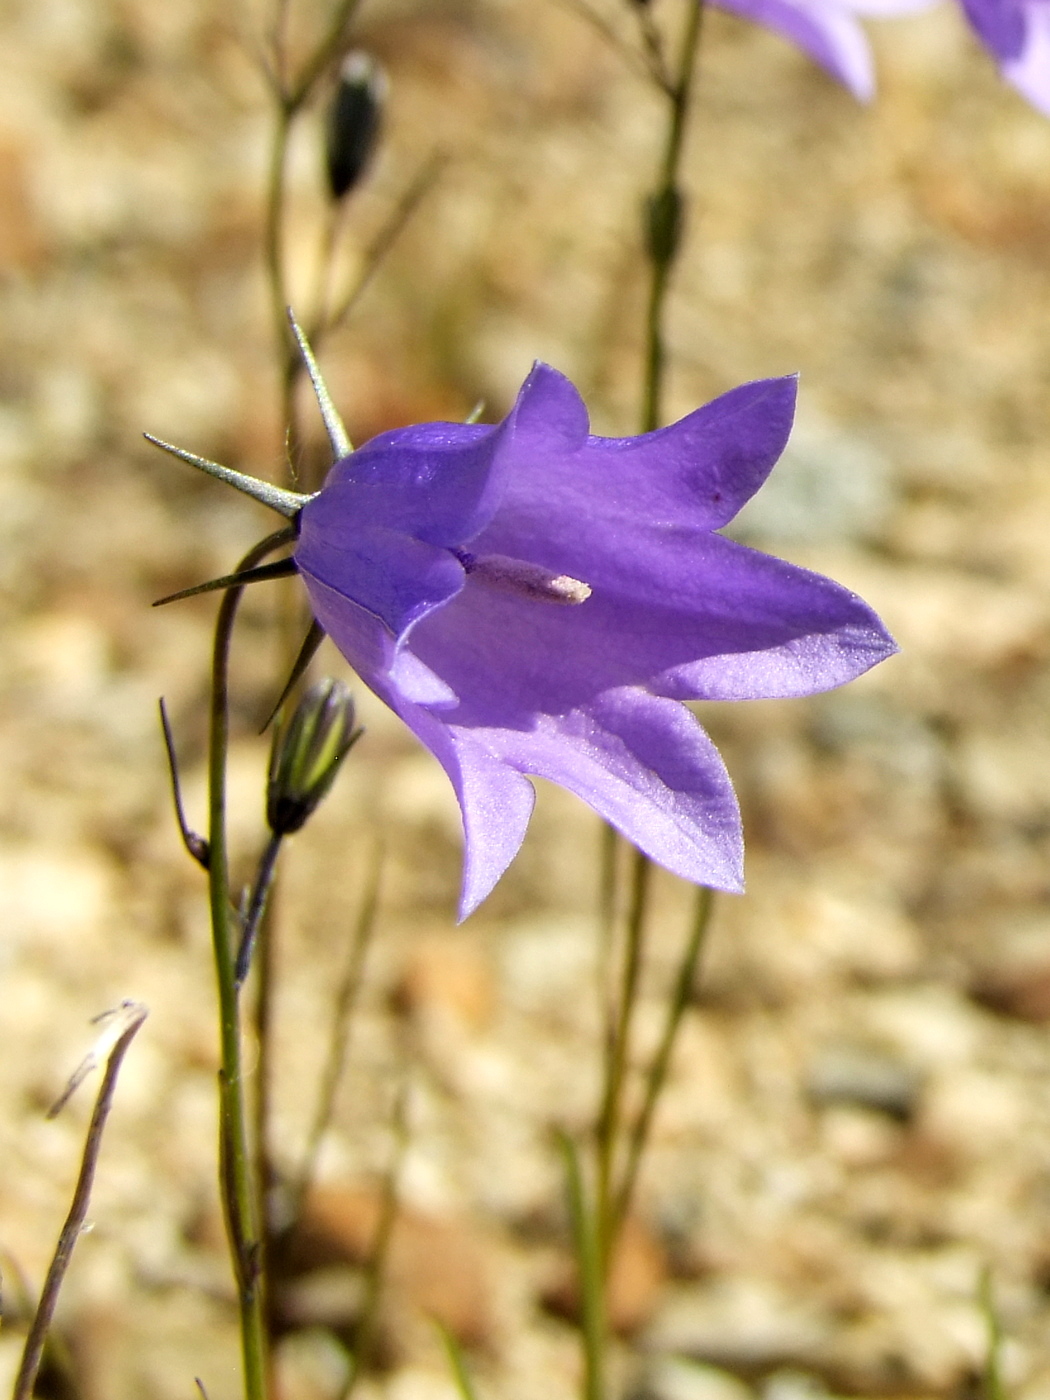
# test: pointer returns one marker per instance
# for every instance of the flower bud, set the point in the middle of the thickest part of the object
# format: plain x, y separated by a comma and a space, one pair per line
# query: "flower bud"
353, 121
307, 754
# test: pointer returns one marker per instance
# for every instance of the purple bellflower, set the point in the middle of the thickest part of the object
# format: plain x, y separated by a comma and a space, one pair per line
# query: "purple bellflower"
1015, 32
829, 31
1017, 35
532, 599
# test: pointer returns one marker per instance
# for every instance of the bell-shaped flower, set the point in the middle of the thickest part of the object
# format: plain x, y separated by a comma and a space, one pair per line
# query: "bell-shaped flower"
829, 31
532, 599
1017, 35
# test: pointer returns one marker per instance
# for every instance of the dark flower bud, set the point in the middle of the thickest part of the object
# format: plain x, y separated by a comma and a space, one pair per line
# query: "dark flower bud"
353, 121
307, 754
664, 225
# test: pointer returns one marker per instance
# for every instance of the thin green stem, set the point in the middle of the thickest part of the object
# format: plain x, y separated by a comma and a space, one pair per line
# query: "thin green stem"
457, 1362
607, 911
663, 239
273, 244
656, 1076
265, 1170
239, 1186
609, 1119
992, 1387
291, 95
417, 190
346, 1000
324, 53
665, 218
257, 905
586, 1230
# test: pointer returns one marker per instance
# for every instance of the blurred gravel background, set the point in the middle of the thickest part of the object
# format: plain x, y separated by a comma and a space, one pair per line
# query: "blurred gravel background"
859, 1116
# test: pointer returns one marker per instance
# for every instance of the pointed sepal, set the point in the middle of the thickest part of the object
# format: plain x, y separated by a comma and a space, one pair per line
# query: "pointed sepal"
337, 434
286, 503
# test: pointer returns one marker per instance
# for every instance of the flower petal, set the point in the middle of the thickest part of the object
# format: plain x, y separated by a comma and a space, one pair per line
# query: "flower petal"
439, 482
394, 577
1030, 72
830, 36
646, 766
696, 617
999, 24
884, 9
692, 476
496, 801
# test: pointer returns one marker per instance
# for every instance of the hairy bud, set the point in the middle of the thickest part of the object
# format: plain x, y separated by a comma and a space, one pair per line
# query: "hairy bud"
307, 754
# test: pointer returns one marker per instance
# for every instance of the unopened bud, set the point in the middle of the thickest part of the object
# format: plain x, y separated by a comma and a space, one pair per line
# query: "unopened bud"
307, 754
353, 121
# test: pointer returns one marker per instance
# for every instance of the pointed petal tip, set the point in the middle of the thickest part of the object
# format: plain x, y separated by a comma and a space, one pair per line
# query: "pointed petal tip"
549, 404
481, 875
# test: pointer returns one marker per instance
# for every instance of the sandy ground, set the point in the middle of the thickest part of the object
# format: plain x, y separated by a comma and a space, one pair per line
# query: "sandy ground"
859, 1114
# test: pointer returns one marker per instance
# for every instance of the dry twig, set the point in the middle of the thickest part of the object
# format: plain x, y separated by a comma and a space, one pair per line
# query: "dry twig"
121, 1027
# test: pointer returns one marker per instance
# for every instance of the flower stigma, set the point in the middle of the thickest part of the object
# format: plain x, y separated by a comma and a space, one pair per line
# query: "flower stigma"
532, 581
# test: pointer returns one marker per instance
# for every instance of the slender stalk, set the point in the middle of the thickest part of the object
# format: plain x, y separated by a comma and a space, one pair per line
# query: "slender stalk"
609, 1118
195, 845
612, 1199
273, 247
457, 1362
238, 1180
324, 53
657, 1073
585, 1224
992, 1384
257, 905
265, 1171
665, 217
346, 999
420, 186
133, 1014
291, 95
662, 247
608, 908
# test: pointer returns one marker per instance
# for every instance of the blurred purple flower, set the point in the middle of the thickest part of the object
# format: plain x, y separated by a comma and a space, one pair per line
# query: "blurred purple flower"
829, 31
531, 599
1017, 35
1015, 32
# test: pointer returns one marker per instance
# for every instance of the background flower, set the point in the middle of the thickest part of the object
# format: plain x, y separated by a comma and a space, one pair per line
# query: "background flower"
1017, 35
828, 30
1015, 32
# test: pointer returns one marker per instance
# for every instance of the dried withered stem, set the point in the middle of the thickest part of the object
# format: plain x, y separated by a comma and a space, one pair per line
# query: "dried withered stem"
124, 1025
